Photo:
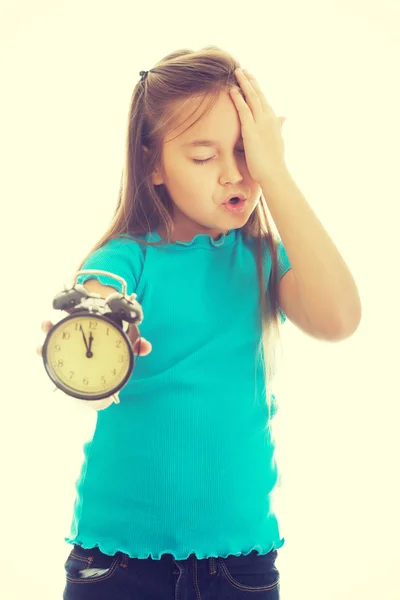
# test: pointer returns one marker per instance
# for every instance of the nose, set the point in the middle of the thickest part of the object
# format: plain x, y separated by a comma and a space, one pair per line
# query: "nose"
231, 173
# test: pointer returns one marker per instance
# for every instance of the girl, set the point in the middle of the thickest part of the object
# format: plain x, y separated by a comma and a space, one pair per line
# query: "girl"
174, 499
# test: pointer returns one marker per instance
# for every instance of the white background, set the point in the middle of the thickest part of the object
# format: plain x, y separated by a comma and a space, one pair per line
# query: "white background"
332, 68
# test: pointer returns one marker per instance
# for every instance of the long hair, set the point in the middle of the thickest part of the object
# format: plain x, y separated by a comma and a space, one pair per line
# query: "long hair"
143, 207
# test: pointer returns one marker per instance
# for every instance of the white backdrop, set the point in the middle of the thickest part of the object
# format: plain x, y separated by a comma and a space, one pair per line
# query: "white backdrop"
332, 68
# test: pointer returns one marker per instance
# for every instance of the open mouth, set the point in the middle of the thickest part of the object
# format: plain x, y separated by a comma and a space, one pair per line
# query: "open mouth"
235, 205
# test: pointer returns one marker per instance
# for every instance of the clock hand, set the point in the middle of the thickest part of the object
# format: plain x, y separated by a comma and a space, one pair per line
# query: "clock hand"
89, 354
84, 338
90, 342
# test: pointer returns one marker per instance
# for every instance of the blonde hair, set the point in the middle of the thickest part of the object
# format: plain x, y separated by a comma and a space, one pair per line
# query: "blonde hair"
143, 207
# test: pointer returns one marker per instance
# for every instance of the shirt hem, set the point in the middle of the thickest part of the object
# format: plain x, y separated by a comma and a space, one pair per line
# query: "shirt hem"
199, 554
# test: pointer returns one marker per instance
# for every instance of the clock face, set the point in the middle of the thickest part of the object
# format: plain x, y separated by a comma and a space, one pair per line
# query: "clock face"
88, 356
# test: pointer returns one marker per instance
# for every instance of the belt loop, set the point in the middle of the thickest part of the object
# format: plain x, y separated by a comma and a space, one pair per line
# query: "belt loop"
124, 561
212, 565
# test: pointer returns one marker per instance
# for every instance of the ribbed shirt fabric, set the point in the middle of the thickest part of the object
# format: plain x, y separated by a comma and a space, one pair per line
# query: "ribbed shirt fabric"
185, 462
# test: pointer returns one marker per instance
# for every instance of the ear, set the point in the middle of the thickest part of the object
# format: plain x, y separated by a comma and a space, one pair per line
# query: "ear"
156, 176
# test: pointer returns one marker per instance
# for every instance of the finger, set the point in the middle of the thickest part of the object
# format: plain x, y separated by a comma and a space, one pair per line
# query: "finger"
46, 325
251, 80
252, 95
142, 347
242, 106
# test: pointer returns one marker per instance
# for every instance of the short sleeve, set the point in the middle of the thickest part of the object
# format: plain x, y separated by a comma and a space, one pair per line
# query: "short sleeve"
120, 256
283, 267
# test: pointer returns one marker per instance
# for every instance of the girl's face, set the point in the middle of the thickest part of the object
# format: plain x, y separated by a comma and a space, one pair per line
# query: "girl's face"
198, 190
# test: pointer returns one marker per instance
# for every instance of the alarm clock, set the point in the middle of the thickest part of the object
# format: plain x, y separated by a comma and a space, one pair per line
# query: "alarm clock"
89, 353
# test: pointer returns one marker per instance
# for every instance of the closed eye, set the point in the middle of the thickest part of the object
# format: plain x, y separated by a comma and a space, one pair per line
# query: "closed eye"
201, 162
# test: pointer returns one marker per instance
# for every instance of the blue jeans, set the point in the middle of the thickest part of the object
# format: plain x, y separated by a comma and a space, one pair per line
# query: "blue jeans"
92, 575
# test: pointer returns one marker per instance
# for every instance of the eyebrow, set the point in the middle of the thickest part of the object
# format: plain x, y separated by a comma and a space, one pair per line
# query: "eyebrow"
205, 143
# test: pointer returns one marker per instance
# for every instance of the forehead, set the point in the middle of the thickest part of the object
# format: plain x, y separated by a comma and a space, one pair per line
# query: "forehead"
219, 127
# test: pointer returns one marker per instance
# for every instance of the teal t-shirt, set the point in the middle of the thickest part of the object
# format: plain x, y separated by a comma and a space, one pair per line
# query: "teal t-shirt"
185, 463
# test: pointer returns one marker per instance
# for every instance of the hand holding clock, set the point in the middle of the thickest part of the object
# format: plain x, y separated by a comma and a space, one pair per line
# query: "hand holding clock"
141, 347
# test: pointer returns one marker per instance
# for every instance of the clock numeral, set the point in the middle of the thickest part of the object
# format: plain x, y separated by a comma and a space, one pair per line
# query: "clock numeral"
121, 359
86, 381
103, 380
93, 324
108, 331
60, 362
114, 371
65, 335
57, 347
71, 374
118, 344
